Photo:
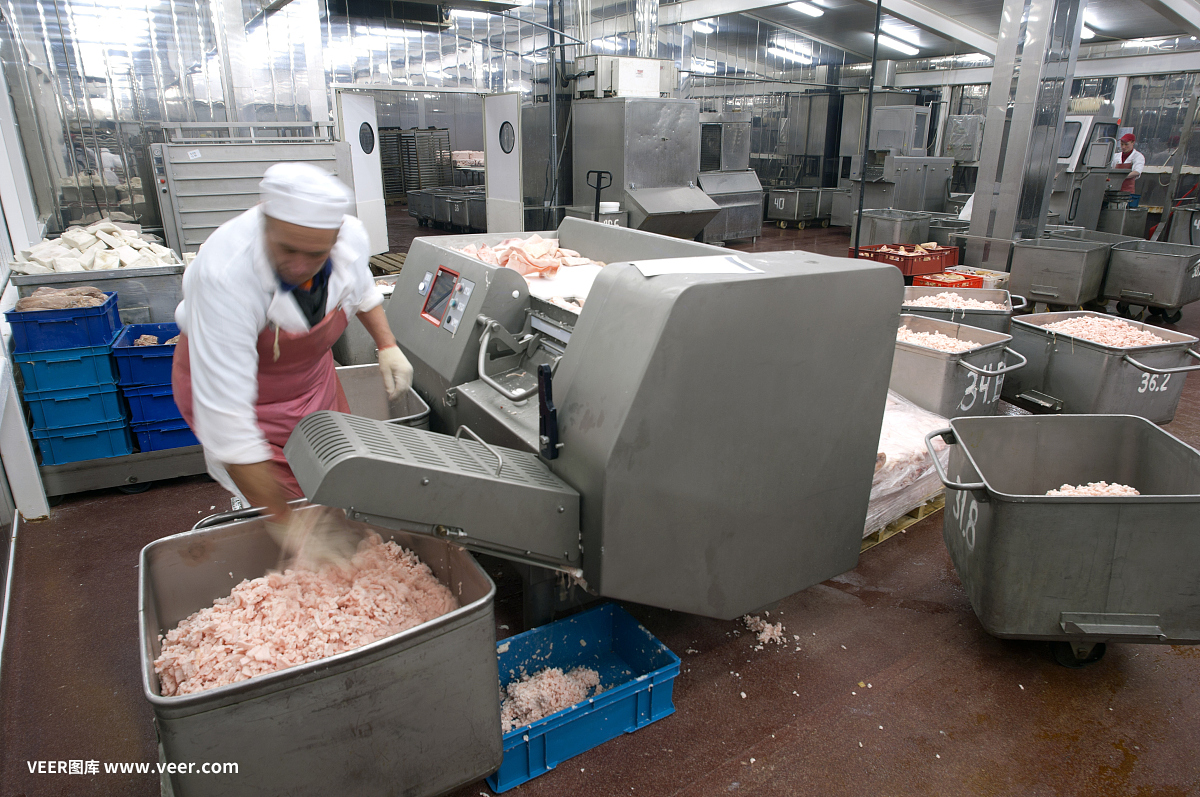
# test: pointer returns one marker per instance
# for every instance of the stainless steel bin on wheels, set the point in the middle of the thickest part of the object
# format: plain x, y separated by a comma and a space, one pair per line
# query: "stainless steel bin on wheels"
1076, 571
1058, 271
995, 320
414, 713
951, 384
1160, 276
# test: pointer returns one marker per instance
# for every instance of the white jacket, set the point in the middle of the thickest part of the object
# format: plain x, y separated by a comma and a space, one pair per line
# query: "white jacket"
1136, 160
230, 295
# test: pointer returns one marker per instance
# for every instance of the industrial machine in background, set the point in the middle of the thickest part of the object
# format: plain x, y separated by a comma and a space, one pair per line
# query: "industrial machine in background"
599, 76
598, 444
808, 140
652, 149
1083, 174
963, 141
727, 179
897, 173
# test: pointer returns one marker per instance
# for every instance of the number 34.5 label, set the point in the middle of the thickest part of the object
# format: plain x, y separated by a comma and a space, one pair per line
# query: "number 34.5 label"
1152, 383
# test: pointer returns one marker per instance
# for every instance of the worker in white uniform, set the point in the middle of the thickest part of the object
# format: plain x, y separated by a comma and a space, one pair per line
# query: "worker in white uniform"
263, 302
1129, 158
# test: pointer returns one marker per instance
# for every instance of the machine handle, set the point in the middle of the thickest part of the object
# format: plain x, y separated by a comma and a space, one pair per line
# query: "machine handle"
1181, 370
1012, 298
482, 362
478, 439
547, 413
599, 185
1004, 369
947, 435
1044, 292
1128, 294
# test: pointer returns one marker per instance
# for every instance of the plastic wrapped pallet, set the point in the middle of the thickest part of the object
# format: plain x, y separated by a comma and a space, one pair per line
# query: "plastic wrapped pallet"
904, 474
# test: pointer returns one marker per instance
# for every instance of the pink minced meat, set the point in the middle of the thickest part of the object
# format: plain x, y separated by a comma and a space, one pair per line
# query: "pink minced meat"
935, 340
284, 619
1095, 489
536, 696
531, 257
1105, 331
767, 632
949, 300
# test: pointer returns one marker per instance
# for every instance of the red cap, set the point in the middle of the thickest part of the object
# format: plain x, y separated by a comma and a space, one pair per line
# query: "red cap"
1128, 137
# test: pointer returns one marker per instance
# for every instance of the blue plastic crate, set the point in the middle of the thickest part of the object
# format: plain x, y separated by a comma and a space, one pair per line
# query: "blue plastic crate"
151, 403
637, 673
164, 434
45, 330
58, 369
75, 406
81, 443
145, 365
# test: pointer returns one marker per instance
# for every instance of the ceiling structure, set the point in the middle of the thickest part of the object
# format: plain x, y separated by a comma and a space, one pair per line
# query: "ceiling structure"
947, 27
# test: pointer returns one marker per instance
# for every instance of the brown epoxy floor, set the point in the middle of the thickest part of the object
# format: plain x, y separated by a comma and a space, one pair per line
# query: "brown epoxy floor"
961, 712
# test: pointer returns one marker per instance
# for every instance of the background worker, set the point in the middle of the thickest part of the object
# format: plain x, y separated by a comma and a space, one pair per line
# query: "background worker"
263, 302
1129, 158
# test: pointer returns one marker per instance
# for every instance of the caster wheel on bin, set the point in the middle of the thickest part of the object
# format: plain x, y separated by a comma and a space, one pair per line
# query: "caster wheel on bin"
799, 225
824, 222
782, 225
1067, 653
1172, 316
1123, 310
135, 488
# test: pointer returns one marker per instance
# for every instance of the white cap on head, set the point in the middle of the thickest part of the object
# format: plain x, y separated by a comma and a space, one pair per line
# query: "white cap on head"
300, 193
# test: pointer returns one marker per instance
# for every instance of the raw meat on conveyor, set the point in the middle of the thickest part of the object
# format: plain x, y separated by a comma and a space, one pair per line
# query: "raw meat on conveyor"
531, 257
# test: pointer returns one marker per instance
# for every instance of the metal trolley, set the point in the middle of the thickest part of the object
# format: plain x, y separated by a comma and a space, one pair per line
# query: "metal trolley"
1078, 572
1162, 277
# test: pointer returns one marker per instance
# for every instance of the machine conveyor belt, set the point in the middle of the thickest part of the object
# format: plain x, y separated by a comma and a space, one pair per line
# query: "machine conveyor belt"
407, 478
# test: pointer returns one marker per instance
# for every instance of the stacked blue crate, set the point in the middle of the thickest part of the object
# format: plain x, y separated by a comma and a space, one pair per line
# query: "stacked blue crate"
144, 374
69, 376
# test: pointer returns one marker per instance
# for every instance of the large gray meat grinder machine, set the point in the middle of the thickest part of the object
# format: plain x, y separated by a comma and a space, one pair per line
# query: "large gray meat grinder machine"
702, 442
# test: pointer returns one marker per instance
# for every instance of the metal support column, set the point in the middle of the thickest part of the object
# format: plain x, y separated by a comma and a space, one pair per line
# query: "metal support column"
1031, 82
645, 20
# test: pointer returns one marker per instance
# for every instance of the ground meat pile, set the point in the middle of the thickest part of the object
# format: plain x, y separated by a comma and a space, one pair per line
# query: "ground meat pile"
1094, 489
767, 632
1105, 331
915, 249
152, 340
540, 695
949, 300
935, 340
65, 299
284, 619
531, 257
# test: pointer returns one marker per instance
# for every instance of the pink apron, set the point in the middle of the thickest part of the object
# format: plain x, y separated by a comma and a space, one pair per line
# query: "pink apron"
300, 382
1128, 185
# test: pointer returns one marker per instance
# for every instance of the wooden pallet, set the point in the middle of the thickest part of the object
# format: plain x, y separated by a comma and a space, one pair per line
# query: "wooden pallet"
904, 521
386, 264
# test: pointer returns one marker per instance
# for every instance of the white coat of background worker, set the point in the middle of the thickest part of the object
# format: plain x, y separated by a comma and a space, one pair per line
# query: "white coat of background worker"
1129, 158
263, 302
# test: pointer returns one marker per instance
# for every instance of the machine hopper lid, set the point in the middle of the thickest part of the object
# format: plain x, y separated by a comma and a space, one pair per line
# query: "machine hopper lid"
671, 201
730, 182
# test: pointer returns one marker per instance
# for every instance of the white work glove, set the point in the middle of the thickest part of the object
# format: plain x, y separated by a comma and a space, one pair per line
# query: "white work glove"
396, 370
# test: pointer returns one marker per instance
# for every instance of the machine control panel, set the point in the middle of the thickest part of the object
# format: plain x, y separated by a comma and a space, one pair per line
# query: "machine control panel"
447, 296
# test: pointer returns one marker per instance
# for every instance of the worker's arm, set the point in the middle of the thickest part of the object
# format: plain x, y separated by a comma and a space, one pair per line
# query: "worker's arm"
259, 483
377, 326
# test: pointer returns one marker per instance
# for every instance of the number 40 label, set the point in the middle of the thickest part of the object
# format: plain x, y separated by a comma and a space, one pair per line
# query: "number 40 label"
1150, 383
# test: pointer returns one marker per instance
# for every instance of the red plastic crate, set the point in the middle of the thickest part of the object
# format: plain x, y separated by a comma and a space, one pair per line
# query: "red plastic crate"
949, 280
914, 261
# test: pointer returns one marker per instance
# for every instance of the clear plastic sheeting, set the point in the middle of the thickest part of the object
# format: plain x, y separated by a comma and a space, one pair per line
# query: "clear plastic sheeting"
904, 474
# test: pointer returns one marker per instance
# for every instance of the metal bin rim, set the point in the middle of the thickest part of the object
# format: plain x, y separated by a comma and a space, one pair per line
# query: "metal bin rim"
1174, 339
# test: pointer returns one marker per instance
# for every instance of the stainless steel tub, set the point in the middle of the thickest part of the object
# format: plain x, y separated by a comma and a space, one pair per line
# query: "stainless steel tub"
477, 213
1082, 377
1057, 271
459, 212
415, 713
887, 226
1074, 569
948, 232
995, 320
1153, 274
793, 204
952, 384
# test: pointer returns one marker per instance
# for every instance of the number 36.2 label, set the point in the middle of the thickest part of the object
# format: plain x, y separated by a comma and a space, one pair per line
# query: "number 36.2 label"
1152, 383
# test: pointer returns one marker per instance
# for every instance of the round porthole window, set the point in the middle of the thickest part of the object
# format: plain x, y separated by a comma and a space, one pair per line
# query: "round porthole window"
508, 137
366, 138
